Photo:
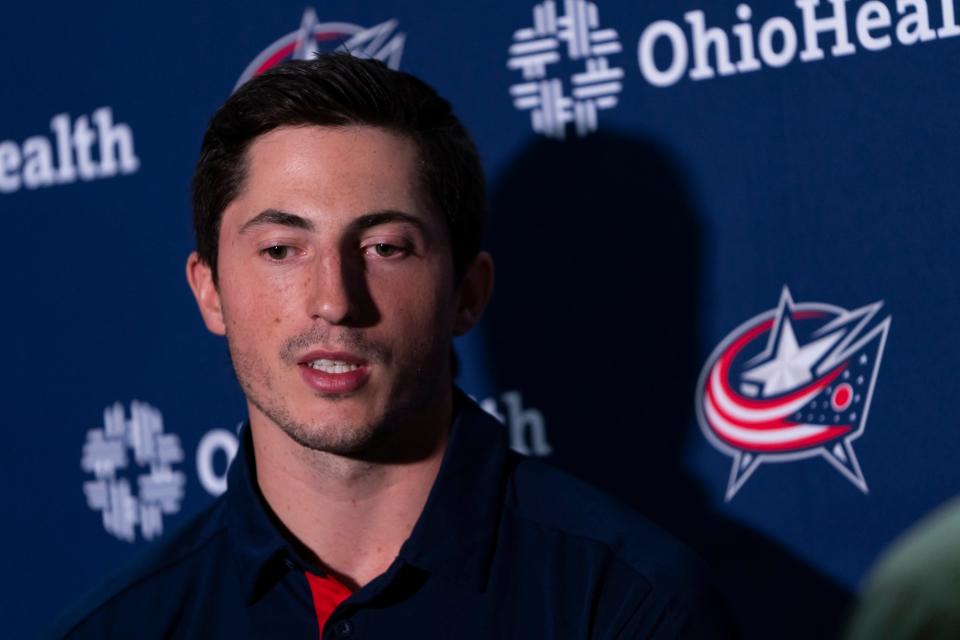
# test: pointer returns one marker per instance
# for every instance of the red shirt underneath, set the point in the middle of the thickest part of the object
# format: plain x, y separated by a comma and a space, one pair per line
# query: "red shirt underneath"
327, 592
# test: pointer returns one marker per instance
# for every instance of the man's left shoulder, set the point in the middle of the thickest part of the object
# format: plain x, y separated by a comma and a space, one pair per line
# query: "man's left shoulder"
573, 508
628, 554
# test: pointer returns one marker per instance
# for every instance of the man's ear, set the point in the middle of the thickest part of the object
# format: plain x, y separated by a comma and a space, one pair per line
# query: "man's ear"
200, 277
475, 289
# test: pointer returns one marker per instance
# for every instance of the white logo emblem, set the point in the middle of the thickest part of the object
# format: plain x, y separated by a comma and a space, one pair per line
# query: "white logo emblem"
595, 87
159, 486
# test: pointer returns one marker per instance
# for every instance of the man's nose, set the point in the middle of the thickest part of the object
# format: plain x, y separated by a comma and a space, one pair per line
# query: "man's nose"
338, 292
327, 292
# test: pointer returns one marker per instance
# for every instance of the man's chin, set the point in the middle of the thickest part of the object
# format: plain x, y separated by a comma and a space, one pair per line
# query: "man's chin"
356, 426
338, 397
342, 440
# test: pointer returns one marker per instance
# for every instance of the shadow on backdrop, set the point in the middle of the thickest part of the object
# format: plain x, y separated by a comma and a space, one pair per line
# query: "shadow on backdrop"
595, 320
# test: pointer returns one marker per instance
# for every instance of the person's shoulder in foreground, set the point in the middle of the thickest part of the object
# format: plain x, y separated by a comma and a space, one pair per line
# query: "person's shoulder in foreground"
505, 547
913, 590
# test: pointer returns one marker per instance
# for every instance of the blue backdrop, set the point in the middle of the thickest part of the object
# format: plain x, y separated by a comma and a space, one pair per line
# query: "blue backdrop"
724, 234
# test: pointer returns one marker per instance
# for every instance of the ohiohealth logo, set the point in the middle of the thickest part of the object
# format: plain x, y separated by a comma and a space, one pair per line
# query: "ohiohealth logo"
791, 383
595, 87
106, 454
831, 26
380, 42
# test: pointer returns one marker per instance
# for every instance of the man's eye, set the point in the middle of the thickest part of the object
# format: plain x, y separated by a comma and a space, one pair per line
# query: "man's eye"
384, 250
277, 252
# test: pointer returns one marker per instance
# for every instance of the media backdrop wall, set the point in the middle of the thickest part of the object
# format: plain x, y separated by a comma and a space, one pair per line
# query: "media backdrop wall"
725, 237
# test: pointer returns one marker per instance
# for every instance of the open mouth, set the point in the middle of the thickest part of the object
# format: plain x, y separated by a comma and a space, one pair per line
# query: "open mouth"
332, 366
334, 373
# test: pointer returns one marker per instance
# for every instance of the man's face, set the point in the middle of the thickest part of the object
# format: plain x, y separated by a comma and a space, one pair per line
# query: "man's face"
336, 289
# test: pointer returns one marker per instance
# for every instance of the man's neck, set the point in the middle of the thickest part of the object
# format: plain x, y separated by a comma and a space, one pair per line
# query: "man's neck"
352, 515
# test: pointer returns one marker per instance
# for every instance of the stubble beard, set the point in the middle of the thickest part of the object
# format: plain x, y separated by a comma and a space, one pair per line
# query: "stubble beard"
409, 401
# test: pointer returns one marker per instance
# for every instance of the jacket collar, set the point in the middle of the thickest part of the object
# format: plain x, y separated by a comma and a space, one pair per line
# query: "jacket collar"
455, 533
452, 538
253, 530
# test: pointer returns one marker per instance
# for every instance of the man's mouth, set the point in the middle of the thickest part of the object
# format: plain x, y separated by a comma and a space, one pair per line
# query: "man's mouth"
335, 373
332, 366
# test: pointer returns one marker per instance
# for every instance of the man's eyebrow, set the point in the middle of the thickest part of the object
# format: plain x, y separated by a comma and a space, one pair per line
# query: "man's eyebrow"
377, 218
275, 216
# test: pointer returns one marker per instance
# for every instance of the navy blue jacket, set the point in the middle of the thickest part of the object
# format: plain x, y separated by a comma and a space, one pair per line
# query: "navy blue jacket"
506, 547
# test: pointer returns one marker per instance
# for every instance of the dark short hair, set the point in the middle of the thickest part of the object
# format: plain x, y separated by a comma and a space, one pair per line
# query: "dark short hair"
339, 89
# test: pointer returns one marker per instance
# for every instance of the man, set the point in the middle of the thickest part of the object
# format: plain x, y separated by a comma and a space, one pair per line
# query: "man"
338, 208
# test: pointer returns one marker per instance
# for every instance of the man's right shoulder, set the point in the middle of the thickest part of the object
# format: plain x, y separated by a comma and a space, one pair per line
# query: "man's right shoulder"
152, 584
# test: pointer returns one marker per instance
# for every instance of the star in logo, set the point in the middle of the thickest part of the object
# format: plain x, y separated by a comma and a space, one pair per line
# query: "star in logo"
792, 365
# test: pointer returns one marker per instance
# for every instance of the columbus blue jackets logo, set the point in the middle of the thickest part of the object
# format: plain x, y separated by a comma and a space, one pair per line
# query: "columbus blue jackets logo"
793, 382
381, 42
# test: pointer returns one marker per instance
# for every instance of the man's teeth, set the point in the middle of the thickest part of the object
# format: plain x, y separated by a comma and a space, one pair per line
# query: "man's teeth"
332, 366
